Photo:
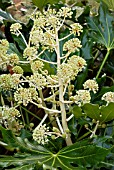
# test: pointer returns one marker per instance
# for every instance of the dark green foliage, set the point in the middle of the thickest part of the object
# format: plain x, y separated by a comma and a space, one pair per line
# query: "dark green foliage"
4, 4
102, 113
102, 28
81, 154
85, 153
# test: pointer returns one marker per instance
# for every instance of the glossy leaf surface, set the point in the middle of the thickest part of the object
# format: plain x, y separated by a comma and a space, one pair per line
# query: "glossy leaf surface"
80, 154
103, 113
76, 111
102, 28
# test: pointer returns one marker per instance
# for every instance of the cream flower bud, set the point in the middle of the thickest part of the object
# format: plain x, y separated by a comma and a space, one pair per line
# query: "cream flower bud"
82, 97
15, 27
25, 95
72, 45
40, 134
65, 12
4, 45
17, 70
108, 97
9, 81
77, 63
76, 28
30, 53
13, 58
36, 65
91, 85
38, 79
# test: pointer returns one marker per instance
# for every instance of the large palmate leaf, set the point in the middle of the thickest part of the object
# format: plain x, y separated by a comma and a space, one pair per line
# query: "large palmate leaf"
109, 3
25, 167
76, 156
102, 28
40, 4
103, 113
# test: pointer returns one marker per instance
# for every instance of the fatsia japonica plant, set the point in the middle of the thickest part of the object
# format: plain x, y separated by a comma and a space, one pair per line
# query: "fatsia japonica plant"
63, 107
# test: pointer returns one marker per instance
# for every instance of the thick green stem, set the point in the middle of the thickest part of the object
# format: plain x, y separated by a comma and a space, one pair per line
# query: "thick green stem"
61, 96
102, 65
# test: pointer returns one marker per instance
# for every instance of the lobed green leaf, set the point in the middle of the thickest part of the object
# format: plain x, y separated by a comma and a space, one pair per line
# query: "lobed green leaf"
102, 28
77, 156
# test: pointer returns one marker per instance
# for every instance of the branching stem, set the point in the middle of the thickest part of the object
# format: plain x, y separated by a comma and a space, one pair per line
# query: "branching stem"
43, 120
59, 125
95, 129
46, 109
23, 38
61, 98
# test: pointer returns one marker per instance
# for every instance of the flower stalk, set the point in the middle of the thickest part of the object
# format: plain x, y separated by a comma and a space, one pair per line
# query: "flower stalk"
61, 98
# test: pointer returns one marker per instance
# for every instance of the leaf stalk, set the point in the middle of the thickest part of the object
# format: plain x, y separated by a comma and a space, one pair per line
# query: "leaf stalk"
103, 63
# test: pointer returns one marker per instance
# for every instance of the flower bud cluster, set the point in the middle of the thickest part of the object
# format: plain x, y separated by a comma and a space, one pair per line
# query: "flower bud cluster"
17, 70
36, 65
72, 45
9, 113
76, 28
108, 97
4, 45
3, 62
26, 95
91, 85
48, 42
40, 134
45, 26
15, 28
8, 116
15, 78
38, 80
65, 12
8, 81
65, 71
77, 63
30, 53
81, 97
68, 71
44, 38
13, 58
36, 35
5, 58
